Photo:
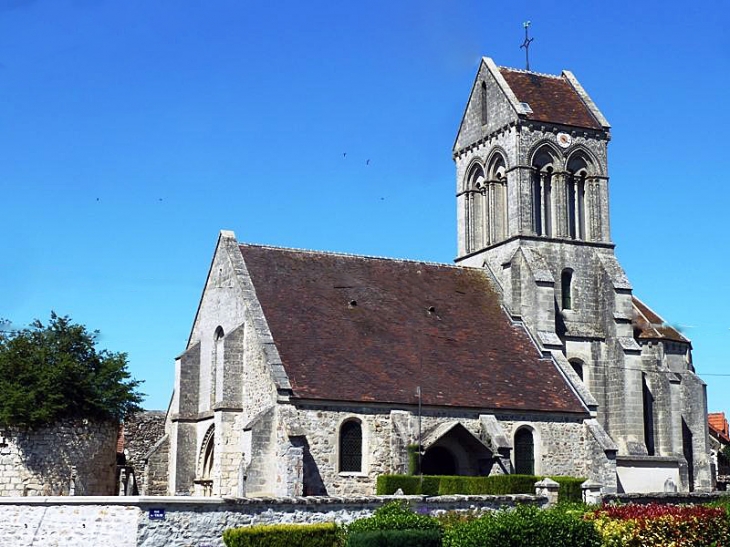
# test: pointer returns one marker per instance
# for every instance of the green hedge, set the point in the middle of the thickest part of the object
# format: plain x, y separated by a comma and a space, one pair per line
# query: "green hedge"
413, 460
395, 538
435, 485
394, 516
523, 526
285, 535
494, 485
426, 485
570, 490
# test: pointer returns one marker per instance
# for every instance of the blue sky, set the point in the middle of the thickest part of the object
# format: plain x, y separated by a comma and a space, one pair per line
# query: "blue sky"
132, 132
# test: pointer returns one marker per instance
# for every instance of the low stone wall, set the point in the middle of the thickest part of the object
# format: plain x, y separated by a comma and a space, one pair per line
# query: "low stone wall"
196, 522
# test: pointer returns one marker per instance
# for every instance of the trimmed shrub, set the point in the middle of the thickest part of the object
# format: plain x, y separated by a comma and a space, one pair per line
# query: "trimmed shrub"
523, 526
493, 485
570, 490
463, 485
395, 538
386, 485
410, 484
394, 516
285, 535
657, 525
413, 460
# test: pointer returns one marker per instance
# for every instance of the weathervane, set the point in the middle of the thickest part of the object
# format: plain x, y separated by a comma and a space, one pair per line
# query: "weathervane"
526, 44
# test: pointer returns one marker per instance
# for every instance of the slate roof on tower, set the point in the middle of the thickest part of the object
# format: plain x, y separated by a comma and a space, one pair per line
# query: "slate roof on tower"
352, 328
552, 99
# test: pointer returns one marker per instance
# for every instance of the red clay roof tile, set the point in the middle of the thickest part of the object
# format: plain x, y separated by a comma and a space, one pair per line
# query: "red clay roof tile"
551, 98
352, 328
718, 422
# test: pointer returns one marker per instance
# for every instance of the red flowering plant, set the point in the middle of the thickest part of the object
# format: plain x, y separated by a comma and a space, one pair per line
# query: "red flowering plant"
657, 525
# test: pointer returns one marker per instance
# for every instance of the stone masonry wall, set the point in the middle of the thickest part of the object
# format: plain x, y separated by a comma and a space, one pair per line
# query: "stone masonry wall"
141, 432
199, 522
72, 458
561, 443
155, 477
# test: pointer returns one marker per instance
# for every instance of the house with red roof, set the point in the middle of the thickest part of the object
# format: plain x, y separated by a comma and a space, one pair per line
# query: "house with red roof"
312, 373
720, 449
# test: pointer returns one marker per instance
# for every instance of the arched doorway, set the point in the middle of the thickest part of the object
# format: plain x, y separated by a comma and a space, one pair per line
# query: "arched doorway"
438, 461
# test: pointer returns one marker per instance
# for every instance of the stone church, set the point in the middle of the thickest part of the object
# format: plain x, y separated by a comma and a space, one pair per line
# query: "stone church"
311, 373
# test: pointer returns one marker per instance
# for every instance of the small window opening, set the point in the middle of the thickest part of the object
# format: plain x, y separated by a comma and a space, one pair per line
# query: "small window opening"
648, 399
566, 290
577, 367
483, 100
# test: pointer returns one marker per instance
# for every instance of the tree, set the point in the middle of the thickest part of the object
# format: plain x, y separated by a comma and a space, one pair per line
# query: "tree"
54, 372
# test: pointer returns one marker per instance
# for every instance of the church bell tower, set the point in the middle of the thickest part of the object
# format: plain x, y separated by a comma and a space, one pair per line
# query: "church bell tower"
533, 211
532, 190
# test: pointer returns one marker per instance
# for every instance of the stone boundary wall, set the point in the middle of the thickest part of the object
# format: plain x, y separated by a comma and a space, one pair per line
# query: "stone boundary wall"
70, 457
196, 522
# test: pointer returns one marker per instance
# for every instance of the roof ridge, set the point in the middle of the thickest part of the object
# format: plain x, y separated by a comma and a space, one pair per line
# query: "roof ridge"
523, 71
353, 255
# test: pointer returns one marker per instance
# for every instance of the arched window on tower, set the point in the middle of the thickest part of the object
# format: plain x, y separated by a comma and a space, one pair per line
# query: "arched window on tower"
351, 447
543, 166
566, 289
575, 188
475, 209
496, 200
524, 452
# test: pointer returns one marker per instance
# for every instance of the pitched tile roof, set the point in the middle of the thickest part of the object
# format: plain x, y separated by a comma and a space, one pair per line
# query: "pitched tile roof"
352, 328
551, 98
719, 424
652, 327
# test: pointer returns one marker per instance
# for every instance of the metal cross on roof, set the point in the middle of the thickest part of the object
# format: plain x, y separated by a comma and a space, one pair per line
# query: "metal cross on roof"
526, 44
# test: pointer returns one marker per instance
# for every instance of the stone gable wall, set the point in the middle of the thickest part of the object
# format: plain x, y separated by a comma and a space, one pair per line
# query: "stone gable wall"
70, 458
